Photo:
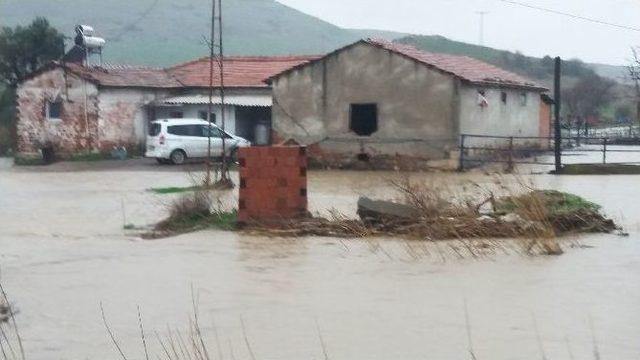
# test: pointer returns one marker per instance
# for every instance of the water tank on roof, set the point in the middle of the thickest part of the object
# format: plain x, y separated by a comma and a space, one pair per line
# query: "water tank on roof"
85, 30
85, 38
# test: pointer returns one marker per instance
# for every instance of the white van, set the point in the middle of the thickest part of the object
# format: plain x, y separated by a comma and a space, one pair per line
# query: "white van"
176, 140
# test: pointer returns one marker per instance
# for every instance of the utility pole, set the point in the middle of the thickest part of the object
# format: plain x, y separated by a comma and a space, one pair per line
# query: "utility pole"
557, 106
224, 181
210, 104
482, 15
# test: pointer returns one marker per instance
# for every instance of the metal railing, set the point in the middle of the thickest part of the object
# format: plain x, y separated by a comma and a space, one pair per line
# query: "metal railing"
533, 150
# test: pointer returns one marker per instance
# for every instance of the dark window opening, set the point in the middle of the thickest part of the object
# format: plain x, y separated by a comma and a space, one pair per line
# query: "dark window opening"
176, 115
364, 119
54, 109
504, 97
203, 115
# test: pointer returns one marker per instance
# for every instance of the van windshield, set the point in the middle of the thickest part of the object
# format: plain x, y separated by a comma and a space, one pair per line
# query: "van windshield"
154, 129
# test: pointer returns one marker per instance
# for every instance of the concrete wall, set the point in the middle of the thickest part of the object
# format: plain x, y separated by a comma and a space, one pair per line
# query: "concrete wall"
312, 104
76, 129
513, 118
123, 118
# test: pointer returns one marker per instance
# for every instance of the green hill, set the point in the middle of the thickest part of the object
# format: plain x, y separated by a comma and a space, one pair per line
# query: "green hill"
162, 32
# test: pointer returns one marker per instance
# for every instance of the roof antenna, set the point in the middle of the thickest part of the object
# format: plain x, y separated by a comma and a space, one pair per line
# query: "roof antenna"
482, 14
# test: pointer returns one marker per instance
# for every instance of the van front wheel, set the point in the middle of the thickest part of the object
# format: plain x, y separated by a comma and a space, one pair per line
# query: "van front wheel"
178, 157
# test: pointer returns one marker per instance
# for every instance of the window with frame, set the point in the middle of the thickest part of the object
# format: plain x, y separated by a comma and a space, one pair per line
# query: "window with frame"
503, 97
523, 98
203, 115
363, 119
53, 110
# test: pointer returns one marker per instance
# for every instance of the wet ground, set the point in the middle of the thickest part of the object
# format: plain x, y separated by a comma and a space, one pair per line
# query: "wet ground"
63, 250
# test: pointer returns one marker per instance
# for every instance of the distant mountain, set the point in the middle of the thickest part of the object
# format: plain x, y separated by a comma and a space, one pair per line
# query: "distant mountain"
164, 32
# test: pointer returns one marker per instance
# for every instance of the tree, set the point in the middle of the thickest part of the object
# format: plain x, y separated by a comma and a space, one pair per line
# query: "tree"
25, 49
586, 98
22, 51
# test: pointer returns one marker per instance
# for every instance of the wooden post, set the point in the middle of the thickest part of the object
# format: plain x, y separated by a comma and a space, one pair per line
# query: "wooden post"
604, 150
557, 129
510, 163
461, 156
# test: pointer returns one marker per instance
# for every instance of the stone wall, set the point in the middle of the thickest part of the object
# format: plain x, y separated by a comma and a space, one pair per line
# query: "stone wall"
123, 116
74, 131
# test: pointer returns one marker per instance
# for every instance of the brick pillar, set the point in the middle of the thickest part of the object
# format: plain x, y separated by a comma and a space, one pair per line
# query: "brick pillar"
273, 183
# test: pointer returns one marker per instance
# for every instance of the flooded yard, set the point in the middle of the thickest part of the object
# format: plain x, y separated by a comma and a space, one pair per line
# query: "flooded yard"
64, 251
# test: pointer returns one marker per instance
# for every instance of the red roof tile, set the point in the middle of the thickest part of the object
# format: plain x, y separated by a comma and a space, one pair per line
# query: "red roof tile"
246, 71
464, 67
125, 76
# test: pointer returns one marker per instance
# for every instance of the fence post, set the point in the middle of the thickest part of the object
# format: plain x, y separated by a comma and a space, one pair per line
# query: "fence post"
510, 161
604, 150
461, 159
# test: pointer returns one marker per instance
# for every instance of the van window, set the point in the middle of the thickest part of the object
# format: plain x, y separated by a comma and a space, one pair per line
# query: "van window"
154, 129
185, 130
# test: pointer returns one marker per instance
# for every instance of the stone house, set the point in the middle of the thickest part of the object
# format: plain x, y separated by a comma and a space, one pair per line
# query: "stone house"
379, 99
72, 108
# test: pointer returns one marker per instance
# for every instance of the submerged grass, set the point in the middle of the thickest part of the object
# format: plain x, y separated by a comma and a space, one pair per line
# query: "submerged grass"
192, 212
176, 190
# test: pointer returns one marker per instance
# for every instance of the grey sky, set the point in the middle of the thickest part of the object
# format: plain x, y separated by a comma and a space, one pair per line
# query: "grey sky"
506, 26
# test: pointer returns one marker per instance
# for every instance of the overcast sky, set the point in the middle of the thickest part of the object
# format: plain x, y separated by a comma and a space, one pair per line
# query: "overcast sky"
506, 26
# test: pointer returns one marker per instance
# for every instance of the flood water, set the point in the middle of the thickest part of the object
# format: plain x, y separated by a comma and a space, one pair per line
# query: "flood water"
63, 251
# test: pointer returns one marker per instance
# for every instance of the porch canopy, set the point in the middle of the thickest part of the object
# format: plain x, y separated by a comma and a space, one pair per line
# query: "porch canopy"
235, 100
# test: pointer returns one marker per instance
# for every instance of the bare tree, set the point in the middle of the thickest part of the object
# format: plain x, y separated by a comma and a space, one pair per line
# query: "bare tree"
585, 100
634, 74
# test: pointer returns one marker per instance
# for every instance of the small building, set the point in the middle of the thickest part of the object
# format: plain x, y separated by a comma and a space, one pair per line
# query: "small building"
73, 108
379, 99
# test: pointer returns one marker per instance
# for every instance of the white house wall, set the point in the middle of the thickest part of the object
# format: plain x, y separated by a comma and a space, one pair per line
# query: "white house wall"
513, 118
192, 111
123, 118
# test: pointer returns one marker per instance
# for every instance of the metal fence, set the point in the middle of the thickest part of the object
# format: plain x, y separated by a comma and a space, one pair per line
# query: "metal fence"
476, 150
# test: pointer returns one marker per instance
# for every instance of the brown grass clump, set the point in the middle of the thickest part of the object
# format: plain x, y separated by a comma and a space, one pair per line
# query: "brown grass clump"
187, 210
535, 217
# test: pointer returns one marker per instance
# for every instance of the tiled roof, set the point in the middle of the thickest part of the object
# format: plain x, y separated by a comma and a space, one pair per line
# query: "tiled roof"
247, 71
464, 67
125, 76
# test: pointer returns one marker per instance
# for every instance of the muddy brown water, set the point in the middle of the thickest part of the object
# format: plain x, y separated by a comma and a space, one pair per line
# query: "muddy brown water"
63, 250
